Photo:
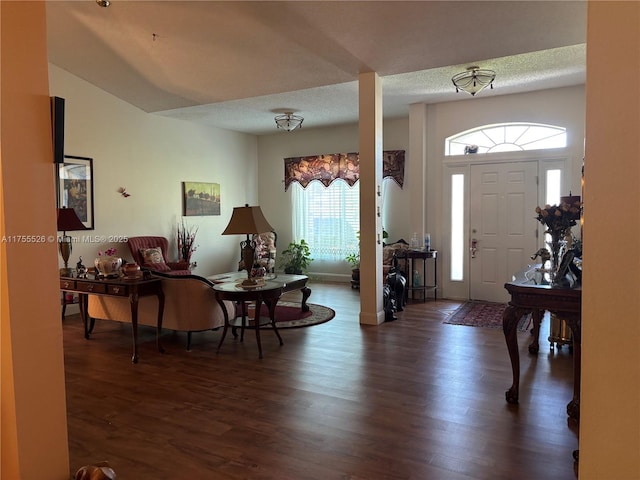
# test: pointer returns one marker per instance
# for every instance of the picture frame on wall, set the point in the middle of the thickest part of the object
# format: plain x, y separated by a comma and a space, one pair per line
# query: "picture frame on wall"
74, 187
200, 198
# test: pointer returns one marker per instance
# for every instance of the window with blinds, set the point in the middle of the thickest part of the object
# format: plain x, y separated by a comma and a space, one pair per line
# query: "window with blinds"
327, 218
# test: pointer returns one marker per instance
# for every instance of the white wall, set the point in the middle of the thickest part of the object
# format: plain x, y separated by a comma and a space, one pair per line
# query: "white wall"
150, 156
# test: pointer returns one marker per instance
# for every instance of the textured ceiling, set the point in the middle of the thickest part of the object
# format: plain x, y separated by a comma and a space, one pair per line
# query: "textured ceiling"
233, 64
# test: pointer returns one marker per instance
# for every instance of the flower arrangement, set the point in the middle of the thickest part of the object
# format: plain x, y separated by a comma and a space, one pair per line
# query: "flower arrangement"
186, 241
109, 252
559, 218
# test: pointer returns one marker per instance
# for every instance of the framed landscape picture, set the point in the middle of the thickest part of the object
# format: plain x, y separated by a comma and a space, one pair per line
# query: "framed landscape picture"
200, 199
75, 187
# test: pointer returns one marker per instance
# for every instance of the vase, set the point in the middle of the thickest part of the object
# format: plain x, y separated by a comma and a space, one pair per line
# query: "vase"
556, 246
108, 266
131, 270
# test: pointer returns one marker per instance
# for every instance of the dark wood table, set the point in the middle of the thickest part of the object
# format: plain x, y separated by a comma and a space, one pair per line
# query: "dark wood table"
268, 292
116, 287
288, 282
529, 296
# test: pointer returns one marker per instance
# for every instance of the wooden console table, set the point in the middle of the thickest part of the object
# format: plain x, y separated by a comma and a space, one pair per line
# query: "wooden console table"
116, 287
408, 258
529, 297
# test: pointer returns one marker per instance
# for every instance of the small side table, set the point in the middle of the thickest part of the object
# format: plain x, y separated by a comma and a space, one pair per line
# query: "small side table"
408, 258
269, 293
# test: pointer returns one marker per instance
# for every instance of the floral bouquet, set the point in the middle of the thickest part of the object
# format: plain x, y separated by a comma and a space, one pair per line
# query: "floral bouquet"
559, 218
186, 241
109, 252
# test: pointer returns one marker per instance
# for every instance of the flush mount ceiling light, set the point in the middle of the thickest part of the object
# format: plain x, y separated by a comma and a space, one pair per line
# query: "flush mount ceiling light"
103, 3
288, 121
473, 80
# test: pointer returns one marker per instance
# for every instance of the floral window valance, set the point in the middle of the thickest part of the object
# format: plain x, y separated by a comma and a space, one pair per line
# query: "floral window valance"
346, 166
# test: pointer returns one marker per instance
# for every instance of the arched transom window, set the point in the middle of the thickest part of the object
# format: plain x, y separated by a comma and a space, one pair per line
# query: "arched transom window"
506, 137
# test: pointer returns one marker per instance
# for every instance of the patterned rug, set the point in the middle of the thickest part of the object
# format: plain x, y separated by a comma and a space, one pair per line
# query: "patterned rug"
290, 315
483, 314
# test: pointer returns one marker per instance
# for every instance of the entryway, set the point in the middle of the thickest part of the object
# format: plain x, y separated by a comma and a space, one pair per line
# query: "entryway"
502, 229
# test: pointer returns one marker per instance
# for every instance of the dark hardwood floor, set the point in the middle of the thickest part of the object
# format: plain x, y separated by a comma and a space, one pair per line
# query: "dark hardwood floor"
410, 399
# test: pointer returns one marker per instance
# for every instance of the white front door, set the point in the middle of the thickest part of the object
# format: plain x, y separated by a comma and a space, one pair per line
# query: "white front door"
503, 198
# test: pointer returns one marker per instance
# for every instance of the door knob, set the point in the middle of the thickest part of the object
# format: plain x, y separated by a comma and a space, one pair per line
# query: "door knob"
474, 247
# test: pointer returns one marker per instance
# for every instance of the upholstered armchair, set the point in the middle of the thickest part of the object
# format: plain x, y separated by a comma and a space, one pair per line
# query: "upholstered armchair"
151, 254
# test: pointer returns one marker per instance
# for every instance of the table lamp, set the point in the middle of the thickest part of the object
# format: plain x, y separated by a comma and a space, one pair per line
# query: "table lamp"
67, 220
247, 220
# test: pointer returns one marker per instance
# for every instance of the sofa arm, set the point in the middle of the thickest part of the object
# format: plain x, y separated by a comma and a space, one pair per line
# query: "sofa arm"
182, 265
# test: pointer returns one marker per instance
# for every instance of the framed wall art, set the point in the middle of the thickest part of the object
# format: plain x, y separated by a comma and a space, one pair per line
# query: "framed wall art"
75, 187
200, 199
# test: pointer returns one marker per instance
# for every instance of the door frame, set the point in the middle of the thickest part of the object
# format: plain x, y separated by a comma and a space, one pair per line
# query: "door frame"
459, 289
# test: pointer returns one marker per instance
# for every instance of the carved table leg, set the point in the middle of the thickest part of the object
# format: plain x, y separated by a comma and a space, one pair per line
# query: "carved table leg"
256, 324
306, 293
83, 303
534, 346
510, 319
133, 299
271, 304
226, 323
574, 323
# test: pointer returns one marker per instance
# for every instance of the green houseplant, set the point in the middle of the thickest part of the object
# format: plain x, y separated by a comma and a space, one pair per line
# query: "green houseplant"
296, 257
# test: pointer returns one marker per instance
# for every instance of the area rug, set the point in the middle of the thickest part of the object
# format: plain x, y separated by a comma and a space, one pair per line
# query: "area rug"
483, 314
290, 315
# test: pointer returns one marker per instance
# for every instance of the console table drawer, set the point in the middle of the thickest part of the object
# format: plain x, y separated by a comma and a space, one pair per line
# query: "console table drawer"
67, 284
117, 290
91, 287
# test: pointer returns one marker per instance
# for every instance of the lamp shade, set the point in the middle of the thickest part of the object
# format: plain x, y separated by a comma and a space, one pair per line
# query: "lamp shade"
68, 220
247, 220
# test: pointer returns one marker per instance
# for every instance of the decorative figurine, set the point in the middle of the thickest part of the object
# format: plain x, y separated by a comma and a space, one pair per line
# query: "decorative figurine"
544, 255
81, 270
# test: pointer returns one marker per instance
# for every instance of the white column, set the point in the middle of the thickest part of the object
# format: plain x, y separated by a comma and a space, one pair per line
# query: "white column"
370, 139
416, 168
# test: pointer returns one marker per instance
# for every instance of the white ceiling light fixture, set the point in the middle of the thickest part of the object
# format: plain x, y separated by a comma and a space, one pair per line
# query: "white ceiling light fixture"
288, 121
473, 80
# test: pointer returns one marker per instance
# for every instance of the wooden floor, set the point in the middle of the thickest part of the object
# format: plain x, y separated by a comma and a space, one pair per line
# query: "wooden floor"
410, 399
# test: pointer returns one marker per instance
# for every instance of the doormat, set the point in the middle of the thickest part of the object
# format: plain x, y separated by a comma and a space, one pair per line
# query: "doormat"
483, 314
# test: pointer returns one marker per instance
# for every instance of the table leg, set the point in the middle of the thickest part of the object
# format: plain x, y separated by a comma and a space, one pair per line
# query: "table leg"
306, 293
573, 407
534, 346
83, 303
133, 300
160, 295
257, 326
510, 319
272, 315
226, 323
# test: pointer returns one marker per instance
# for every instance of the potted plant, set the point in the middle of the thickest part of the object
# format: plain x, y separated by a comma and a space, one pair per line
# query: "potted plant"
296, 258
353, 259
